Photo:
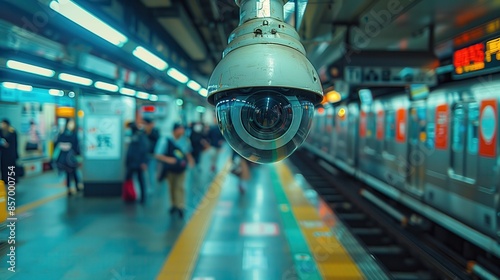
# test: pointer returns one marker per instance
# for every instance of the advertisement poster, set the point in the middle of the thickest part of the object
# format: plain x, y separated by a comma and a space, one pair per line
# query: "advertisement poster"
380, 125
102, 137
32, 128
441, 132
488, 128
401, 125
362, 124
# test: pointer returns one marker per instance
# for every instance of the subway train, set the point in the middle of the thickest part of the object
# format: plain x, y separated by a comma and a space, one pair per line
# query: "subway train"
437, 155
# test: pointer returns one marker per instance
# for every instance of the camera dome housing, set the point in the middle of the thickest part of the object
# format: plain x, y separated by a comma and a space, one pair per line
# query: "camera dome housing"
264, 88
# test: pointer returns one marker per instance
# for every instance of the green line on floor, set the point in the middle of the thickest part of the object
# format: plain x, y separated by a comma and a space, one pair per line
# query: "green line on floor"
305, 265
37, 203
330, 258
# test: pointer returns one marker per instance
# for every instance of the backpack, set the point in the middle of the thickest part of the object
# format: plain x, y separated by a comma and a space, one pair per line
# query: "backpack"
174, 151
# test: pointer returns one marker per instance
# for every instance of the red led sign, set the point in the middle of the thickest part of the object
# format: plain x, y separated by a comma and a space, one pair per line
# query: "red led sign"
148, 109
469, 59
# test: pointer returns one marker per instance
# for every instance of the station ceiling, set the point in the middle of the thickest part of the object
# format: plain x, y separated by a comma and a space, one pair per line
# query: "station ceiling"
390, 25
197, 30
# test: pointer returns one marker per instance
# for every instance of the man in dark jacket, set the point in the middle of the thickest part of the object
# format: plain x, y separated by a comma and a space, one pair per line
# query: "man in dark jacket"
8, 150
137, 157
216, 140
153, 135
199, 141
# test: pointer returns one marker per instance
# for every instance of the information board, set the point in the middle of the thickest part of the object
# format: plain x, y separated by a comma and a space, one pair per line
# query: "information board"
389, 76
102, 137
477, 59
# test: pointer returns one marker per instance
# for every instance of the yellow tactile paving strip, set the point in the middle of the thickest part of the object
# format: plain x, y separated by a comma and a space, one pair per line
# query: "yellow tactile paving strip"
182, 259
331, 258
40, 202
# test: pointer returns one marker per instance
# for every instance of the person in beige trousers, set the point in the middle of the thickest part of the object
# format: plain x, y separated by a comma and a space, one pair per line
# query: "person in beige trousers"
175, 154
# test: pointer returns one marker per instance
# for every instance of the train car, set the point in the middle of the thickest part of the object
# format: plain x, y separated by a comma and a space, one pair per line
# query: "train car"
437, 155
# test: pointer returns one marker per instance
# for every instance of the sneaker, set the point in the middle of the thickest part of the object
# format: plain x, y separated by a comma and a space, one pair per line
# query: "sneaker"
172, 210
70, 193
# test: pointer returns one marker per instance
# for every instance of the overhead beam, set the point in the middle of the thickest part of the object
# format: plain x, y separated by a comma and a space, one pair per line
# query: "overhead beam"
165, 11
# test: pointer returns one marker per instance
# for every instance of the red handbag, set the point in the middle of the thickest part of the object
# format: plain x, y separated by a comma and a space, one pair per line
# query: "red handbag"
128, 193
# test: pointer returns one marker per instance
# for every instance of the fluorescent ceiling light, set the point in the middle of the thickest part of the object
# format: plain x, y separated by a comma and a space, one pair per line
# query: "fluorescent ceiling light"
9, 85
127, 91
142, 95
17, 86
106, 86
21, 66
56, 92
153, 97
200, 109
24, 87
203, 92
150, 58
75, 79
88, 21
174, 73
179, 102
194, 85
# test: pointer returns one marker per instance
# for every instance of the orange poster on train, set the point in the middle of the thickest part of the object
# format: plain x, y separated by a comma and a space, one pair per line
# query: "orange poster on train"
362, 124
401, 126
380, 125
442, 114
488, 128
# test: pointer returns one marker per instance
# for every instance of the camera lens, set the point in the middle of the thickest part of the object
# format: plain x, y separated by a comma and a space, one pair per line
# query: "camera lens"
265, 126
266, 116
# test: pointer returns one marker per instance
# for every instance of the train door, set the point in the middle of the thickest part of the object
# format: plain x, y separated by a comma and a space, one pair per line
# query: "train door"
464, 142
416, 148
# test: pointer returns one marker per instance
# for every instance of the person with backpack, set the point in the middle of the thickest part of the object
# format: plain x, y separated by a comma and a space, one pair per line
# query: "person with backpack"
137, 157
175, 155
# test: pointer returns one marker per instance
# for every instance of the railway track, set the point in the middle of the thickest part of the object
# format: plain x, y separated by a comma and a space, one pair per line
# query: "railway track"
404, 251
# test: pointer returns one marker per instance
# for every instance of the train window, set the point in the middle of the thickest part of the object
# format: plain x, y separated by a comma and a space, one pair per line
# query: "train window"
390, 131
370, 129
430, 130
458, 129
458, 140
472, 137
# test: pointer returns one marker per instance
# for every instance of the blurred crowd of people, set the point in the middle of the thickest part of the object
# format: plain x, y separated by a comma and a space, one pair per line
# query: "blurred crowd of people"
168, 157
151, 157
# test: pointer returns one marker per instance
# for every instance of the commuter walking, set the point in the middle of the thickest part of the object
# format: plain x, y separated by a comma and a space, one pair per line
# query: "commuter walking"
69, 150
199, 141
175, 154
216, 140
8, 151
241, 168
153, 135
137, 157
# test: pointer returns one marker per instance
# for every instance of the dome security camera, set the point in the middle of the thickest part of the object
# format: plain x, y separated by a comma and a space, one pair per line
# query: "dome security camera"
264, 88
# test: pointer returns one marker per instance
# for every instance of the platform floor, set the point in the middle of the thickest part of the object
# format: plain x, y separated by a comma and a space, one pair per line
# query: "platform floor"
278, 229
